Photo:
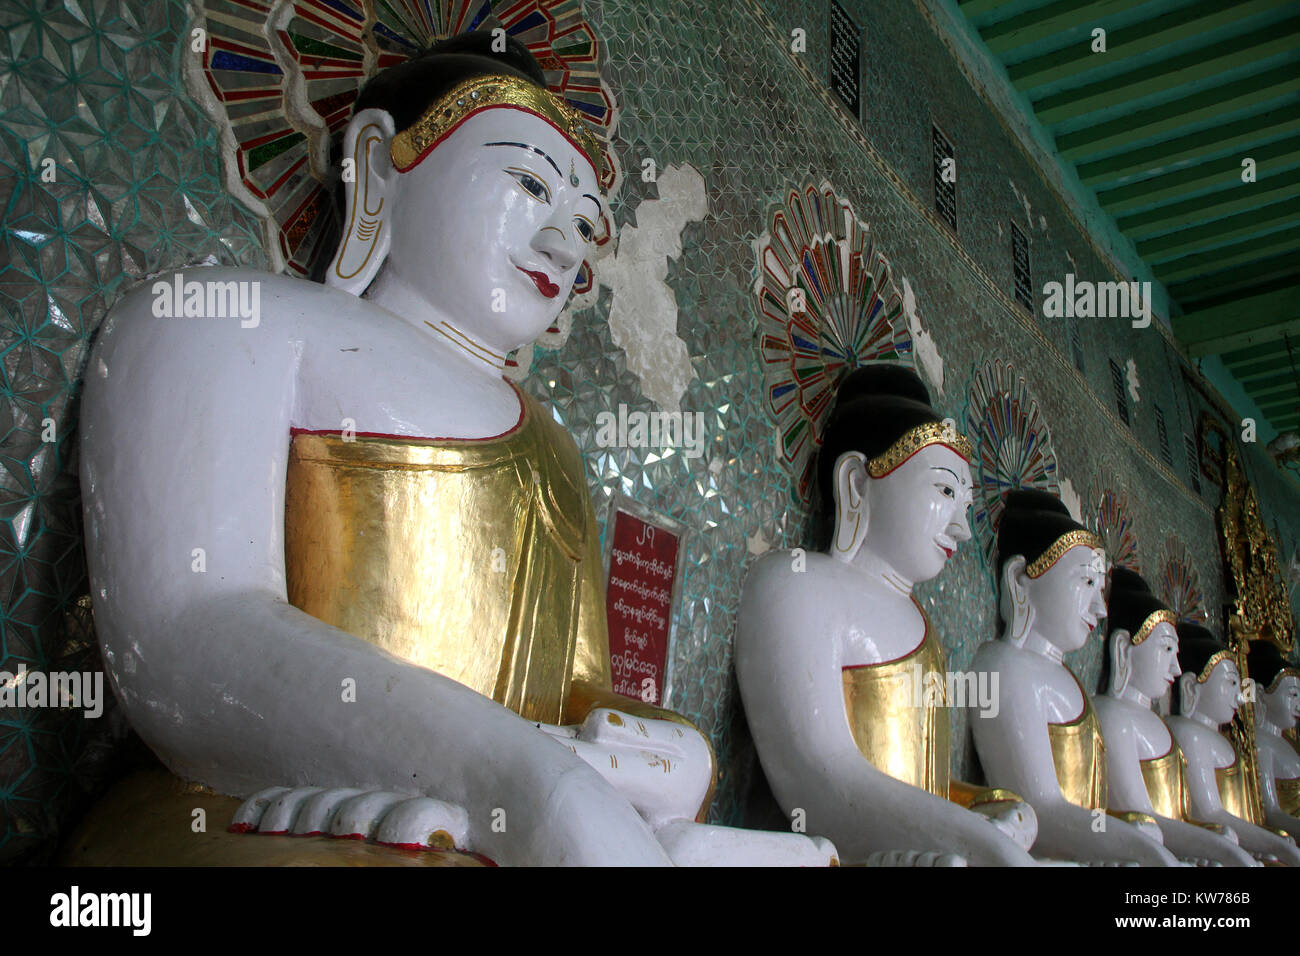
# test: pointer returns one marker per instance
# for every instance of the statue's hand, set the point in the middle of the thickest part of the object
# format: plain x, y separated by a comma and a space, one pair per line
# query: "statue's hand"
914, 858
392, 819
1015, 819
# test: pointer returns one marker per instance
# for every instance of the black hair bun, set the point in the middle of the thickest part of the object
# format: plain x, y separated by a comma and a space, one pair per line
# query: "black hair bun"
1196, 645
406, 90
1034, 499
882, 379
1126, 579
1265, 661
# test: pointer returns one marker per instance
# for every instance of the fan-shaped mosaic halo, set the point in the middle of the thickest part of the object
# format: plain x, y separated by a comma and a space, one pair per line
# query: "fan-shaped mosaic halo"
1013, 446
1112, 520
827, 304
1178, 584
280, 79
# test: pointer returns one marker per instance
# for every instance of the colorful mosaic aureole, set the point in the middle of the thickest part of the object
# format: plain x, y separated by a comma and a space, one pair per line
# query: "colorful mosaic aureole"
1013, 447
1179, 585
827, 304
1112, 520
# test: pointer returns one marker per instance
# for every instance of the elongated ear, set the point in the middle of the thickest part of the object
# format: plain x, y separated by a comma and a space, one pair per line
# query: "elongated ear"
1187, 694
1016, 609
1121, 661
369, 179
851, 509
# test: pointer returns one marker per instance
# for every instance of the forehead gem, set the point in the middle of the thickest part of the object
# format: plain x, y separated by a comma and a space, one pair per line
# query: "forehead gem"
573, 175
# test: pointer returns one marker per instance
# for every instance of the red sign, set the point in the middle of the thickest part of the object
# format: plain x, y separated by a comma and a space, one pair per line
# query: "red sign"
639, 605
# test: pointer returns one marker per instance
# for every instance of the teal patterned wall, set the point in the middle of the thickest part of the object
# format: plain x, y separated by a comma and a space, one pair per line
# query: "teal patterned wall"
137, 187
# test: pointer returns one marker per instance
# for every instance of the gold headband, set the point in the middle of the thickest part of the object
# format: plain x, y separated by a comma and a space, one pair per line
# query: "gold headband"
485, 92
1280, 676
1215, 658
913, 440
1162, 616
1064, 543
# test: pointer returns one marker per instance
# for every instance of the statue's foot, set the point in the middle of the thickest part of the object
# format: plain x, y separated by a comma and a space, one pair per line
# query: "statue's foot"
391, 819
700, 844
914, 858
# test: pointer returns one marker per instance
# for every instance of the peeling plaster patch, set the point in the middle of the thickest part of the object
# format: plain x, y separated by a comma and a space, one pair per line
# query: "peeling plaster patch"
1024, 201
1070, 498
1070, 259
643, 314
1133, 383
999, 225
1042, 223
923, 347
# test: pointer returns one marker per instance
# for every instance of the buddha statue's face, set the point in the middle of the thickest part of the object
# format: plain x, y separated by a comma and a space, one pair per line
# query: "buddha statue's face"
1282, 705
1067, 598
492, 226
917, 513
1217, 698
1154, 662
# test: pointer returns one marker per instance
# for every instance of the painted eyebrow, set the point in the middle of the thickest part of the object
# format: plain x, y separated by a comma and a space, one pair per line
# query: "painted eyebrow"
949, 471
593, 199
531, 149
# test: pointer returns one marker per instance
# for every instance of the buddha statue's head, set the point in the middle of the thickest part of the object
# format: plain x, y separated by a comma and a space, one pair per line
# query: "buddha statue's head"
472, 187
1142, 643
1210, 685
894, 478
1051, 572
1277, 685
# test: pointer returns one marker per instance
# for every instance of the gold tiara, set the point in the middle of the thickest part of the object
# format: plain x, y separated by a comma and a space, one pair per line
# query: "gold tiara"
1204, 675
913, 440
485, 92
1064, 543
1162, 616
1280, 676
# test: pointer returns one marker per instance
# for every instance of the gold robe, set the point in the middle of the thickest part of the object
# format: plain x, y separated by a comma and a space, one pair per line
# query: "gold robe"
1288, 795
478, 559
1166, 783
1080, 756
899, 728
1231, 783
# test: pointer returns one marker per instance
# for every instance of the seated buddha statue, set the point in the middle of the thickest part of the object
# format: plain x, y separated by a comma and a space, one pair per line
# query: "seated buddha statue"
1209, 691
341, 566
1277, 708
1044, 740
1145, 770
832, 649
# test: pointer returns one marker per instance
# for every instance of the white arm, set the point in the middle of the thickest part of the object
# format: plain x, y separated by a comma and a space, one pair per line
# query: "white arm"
1128, 791
789, 675
1016, 752
184, 442
1203, 797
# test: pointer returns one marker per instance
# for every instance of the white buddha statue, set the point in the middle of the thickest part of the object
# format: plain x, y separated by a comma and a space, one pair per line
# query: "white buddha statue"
339, 564
840, 671
1277, 708
1218, 791
1145, 770
1044, 740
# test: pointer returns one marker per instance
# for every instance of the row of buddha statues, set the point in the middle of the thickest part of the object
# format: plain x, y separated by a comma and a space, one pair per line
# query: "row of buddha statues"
346, 572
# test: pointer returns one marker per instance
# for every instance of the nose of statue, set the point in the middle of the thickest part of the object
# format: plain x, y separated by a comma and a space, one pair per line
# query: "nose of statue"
557, 245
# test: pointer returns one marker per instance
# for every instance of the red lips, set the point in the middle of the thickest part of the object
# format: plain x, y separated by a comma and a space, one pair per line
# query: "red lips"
544, 285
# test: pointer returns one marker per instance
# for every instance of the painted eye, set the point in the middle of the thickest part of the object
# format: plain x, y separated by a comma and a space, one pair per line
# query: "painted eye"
531, 185
585, 229
947, 491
